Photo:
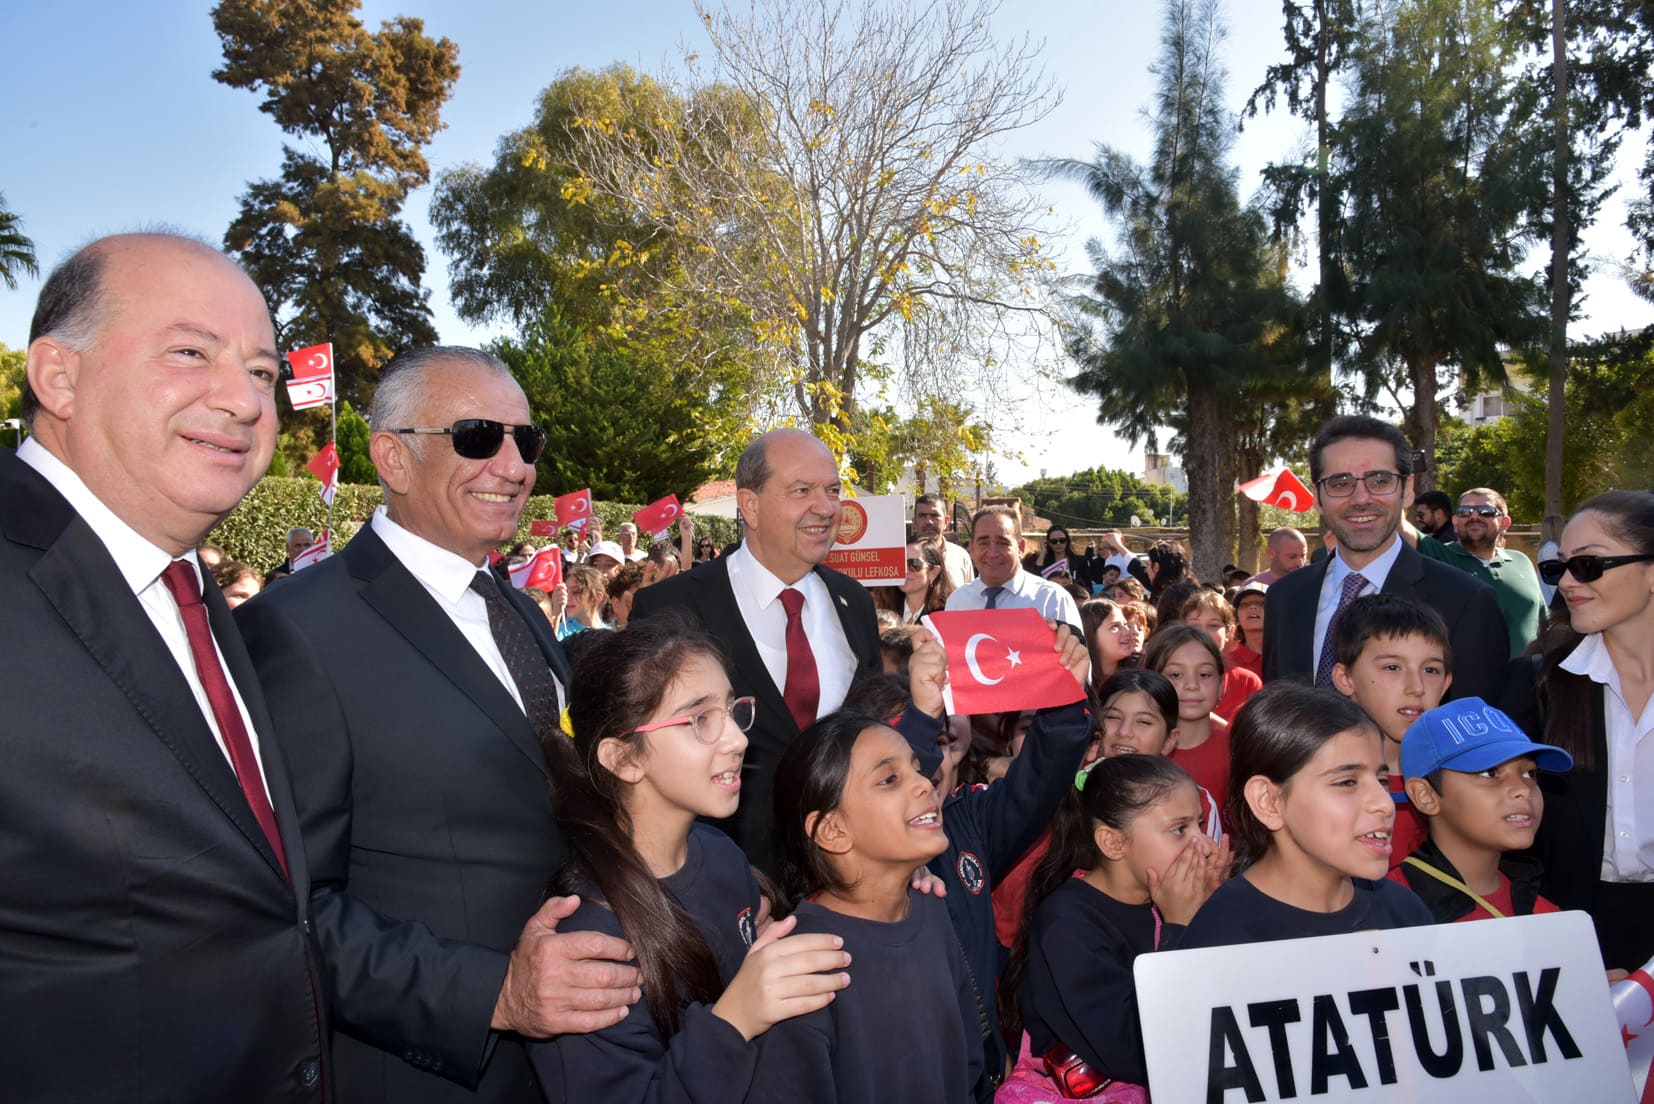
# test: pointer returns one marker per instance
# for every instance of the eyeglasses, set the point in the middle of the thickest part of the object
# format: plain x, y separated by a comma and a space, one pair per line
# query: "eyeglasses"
480, 438
1479, 511
1342, 484
708, 724
1584, 569
917, 565
1056, 540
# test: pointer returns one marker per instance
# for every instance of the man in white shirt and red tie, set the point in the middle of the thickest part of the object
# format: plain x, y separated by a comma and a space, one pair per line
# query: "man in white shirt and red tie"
154, 914
797, 633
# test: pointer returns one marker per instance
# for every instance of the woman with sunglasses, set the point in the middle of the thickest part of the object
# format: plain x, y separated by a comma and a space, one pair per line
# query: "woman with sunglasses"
926, 588
1589, 691
1057, 556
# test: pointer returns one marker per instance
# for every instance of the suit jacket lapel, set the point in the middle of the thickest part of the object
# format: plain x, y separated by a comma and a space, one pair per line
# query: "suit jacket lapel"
78, 576
841, 605
398, 597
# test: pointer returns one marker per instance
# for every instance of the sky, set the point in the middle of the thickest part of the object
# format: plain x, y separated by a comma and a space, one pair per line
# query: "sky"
110, 120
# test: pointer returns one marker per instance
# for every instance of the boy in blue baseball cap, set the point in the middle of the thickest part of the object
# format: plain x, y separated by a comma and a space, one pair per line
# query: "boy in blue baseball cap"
1474, 775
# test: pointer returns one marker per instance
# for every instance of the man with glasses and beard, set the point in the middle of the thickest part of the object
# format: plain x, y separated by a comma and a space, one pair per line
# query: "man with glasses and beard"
1480, 521
412, 688
1362, 471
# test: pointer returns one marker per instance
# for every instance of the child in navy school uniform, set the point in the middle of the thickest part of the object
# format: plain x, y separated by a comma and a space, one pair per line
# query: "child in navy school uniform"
989, 827
854, 818
1394, 658
658, 739
1474, 775
1310, 817
1132, 825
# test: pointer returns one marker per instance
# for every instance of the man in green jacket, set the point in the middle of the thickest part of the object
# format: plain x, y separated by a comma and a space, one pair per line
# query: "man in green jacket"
1480, 520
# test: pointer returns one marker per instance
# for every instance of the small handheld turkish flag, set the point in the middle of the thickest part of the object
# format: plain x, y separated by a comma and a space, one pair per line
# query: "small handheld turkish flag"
312, 382
575, 509
544, 570
325, 467
658, 516
1280, 488
542, 527
1001, 660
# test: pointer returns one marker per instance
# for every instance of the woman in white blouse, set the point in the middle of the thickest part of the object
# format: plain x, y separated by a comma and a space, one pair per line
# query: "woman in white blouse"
1589, 691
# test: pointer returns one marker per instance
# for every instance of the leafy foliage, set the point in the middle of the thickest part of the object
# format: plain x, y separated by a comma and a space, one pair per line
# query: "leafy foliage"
1102, 498
12, 365
355, 464
16, 249
325, 240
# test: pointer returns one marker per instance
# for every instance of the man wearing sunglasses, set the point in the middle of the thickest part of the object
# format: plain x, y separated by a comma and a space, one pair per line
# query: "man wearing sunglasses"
412, 688
1362, 471
1480, 521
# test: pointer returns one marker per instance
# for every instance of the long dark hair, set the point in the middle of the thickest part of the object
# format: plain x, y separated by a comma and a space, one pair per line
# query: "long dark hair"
1565, 699
809, 780
1277, 731
619, 681
1116, 792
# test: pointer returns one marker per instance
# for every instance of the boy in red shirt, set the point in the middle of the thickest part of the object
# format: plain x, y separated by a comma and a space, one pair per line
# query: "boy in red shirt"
1474, 775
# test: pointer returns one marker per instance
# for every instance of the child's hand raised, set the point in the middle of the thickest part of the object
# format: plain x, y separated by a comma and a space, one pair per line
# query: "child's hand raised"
783, 976
1071, 652
927, 673
1191, 878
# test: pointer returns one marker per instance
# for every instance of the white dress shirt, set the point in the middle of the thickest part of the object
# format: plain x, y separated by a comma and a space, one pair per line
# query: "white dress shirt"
1337, 570
141, 564
758, 597
1024, 590
447, 577
1628, 834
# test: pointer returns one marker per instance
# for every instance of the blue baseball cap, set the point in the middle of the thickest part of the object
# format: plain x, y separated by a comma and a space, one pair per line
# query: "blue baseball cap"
1470, 735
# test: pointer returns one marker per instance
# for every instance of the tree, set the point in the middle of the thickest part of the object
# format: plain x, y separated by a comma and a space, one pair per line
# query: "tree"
16, 250
524, 232
1100, 498
13, 362
1193, 307
846, 182
618, 418
325, 240
355, 465
1438, 179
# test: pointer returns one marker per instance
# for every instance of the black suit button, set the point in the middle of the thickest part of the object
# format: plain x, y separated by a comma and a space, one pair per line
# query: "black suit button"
310, 1073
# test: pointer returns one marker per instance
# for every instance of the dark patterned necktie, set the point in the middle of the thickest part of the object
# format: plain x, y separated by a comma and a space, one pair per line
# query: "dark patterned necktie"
522, 655
1354, 584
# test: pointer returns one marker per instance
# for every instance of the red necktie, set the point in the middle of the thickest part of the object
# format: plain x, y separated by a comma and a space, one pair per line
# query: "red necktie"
803, 689
181, 579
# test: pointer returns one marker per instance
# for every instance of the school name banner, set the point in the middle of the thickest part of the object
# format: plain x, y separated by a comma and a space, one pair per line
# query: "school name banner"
872, 541
1489, 1011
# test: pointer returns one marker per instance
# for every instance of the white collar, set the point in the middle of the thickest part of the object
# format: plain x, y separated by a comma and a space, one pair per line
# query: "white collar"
761, 585
1375, 572
139, 561
448, 574
1590, 658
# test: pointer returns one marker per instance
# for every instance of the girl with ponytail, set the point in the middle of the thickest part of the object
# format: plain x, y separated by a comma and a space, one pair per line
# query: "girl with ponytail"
658, 739
1128, 867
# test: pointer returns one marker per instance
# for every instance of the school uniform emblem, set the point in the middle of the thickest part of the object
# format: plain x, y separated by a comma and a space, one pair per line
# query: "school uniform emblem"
971, 875
747, 927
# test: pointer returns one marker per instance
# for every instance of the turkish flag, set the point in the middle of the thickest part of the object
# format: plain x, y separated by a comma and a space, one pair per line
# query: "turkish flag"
1001, 660
325, 467
658, 516
544, 570
1280, 488
312, 383
575, 509
542, 527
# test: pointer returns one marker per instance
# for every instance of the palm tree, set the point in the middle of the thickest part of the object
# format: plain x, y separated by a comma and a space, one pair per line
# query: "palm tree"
1191, 306
16, 250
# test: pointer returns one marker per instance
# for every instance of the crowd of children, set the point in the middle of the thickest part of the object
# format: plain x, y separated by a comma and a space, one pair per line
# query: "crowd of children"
960, 905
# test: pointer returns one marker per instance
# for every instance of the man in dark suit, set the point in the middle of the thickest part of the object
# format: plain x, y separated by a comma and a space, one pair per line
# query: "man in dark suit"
1362, 469
797, 633
154, 910
411, 691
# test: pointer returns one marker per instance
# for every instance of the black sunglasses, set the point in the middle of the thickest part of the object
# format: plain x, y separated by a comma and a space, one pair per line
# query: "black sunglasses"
480, 438
1585, 569
1479, 511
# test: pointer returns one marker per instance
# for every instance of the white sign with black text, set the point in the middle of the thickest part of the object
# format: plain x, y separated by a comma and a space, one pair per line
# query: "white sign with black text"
1494, 1010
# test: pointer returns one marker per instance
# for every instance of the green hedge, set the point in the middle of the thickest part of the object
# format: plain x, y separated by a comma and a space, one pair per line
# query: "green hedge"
256, 532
